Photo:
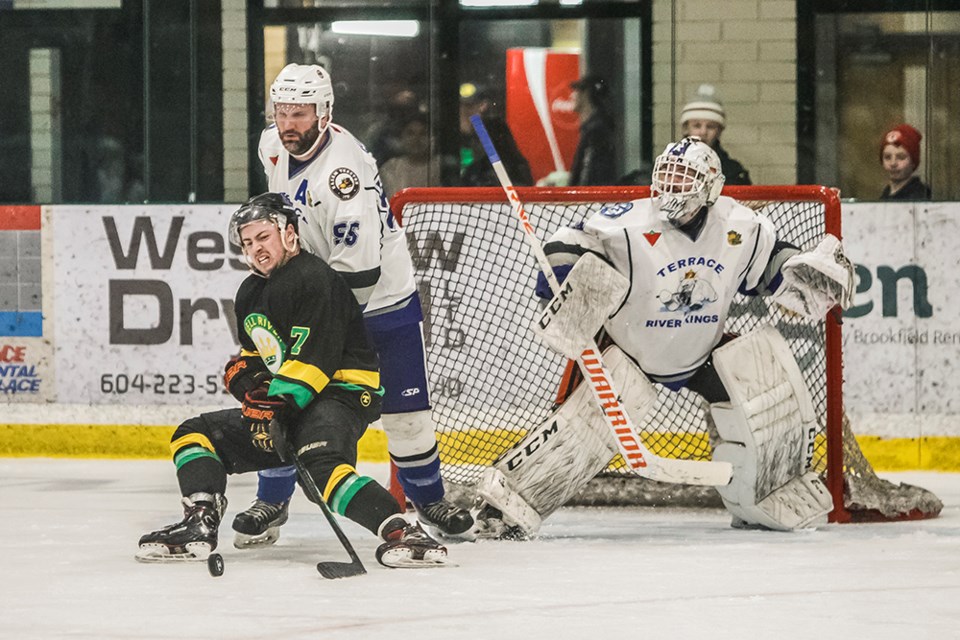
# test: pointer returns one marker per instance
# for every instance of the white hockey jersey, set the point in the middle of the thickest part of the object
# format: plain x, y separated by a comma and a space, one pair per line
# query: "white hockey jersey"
681, 289
345, 216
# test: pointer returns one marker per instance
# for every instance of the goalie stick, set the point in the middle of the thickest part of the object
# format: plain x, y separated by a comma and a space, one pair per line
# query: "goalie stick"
330, 570
638, 458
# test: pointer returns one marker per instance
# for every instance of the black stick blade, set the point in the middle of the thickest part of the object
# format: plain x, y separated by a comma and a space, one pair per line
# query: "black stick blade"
334, 570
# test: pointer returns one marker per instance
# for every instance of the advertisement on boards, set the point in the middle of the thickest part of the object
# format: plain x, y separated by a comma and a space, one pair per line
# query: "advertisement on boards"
144, 303
25, 349
901, 337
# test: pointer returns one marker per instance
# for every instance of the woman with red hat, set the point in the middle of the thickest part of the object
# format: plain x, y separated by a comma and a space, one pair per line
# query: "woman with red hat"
900, 157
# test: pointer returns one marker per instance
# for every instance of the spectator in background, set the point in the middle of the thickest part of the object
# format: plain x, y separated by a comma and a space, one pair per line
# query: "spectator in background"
595, 158
705, 118
900, 157
475, 169
383, 139
414, 167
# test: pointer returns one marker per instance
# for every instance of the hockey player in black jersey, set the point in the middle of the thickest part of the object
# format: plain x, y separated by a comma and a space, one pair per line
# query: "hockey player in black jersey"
307, 379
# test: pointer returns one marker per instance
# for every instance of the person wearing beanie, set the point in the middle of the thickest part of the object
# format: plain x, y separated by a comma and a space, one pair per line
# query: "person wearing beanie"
705, 118
900, 157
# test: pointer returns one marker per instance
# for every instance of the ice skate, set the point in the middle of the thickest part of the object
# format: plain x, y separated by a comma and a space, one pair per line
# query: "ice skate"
260, 524
443, 518
490, 526
408, 546
191, 539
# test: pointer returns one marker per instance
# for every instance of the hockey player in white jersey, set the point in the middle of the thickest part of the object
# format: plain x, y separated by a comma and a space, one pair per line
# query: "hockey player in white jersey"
334, 184
684, 253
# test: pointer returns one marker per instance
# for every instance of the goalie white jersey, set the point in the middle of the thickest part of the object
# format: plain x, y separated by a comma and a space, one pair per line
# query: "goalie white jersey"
675, 309
346, 219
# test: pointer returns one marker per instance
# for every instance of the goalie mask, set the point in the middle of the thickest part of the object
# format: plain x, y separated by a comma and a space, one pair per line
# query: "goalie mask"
686, 177
275, 208
305, 84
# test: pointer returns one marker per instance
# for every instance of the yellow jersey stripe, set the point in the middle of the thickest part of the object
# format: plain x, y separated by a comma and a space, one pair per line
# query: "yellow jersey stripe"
359, 376
191, 438
338, 474
306, 373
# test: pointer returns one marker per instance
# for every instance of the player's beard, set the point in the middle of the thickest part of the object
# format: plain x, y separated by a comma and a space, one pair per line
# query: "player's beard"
303, 141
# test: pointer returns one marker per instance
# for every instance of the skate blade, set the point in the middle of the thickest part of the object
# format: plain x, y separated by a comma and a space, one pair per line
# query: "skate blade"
470, 535
265, 539
159, 553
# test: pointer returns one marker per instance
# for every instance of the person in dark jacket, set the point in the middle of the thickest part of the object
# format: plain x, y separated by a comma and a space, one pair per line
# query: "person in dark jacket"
475, 168
900, 157
594, 162
705, 118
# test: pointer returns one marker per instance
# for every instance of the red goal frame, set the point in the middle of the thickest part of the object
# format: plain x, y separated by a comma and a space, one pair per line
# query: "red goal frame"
828, 197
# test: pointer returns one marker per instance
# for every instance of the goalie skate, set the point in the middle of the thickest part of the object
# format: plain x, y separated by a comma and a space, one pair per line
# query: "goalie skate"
490, 526
408, 546
190, 540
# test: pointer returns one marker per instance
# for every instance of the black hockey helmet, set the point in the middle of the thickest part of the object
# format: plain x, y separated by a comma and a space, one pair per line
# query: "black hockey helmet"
275, 207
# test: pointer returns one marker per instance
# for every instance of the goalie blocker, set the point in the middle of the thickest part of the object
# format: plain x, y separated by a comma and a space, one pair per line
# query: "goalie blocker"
766, 428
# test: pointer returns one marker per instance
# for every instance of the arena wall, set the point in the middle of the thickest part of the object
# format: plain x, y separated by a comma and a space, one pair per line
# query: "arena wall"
136, 323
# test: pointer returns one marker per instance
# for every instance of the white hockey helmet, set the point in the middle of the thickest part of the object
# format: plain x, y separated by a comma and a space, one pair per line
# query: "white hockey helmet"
305, 84
686, 176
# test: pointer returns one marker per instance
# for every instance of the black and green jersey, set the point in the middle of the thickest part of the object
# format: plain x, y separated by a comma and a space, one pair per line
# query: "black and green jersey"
305, 324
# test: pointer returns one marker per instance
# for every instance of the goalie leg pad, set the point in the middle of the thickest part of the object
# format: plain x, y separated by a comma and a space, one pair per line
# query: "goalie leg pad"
591, 292
495, 491
557, 458
767, 429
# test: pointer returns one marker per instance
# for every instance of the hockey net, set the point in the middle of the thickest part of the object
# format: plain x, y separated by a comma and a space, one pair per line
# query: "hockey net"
492, 379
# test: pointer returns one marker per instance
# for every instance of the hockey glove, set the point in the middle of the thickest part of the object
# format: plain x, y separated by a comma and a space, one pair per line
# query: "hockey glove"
243, 374
260, 411
814, 281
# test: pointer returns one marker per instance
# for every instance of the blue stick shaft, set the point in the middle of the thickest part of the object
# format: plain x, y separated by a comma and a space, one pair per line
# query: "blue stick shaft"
485, 140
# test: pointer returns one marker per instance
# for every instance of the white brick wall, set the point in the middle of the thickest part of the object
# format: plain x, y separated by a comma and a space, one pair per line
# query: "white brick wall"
747, 50
45, 130
235, 149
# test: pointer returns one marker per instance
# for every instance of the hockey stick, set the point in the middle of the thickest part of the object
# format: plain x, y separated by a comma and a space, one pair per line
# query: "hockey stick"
638, 458
331, 570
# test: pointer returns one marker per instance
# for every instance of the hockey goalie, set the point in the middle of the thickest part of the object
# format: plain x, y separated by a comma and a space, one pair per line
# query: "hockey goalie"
659, 275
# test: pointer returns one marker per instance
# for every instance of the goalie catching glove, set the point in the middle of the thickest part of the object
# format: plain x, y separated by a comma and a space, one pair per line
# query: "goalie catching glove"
815, 281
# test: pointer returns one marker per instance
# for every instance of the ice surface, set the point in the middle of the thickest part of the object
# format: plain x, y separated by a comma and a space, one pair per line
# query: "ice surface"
70, 527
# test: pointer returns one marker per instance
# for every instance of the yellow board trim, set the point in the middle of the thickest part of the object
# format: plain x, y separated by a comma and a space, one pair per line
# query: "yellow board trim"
123, 441
934, 453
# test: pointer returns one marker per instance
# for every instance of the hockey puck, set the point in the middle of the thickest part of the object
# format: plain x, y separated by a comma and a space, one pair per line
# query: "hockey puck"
215, 565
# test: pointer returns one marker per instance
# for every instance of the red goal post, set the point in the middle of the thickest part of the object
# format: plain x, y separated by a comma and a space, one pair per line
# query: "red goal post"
491, 379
